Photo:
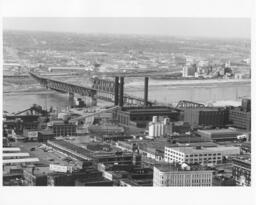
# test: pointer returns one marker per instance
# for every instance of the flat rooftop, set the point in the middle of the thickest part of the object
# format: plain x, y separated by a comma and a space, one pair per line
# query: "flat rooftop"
87, 153
46, 157
220, 131
150, 108
242, 159
177, 167
191, 150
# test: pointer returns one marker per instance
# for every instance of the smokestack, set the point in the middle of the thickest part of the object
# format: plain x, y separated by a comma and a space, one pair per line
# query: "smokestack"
146, 91
121, 100
116, 89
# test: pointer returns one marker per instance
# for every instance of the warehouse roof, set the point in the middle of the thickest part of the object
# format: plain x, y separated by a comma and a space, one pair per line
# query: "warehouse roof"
16, 154
11, 149
219, 131
24, 160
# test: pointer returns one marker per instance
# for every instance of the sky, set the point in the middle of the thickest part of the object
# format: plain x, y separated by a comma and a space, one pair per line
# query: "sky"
193, 27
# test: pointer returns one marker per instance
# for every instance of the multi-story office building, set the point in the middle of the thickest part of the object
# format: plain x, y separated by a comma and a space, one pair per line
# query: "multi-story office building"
181, 175
241, 172
200, 155
216, 117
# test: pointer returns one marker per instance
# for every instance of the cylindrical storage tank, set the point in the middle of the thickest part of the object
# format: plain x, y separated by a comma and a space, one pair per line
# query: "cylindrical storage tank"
155, 119
166, 121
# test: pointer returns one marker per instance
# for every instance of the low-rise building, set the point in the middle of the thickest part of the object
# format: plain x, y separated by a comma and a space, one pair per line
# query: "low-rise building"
219, 134
61, 128
45, 135
241, 171
181, 175
35, 177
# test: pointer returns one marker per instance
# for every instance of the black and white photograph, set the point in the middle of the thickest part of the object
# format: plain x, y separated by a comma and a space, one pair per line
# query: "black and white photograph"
127, 101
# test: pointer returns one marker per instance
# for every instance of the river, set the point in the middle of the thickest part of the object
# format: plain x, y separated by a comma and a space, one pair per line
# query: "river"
14, 102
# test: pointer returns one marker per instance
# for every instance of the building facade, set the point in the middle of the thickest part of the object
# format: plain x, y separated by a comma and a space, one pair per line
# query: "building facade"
219, 134
241, 172
206, 117
192, 155
240, 118
141, 116
199, 155
173, 176
63, 129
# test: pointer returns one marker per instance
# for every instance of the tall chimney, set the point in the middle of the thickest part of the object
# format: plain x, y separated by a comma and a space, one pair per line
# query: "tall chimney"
121, 100
116, 89
146, 91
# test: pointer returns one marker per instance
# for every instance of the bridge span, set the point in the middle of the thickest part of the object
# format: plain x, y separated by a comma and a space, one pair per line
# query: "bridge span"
64, 87
107, 90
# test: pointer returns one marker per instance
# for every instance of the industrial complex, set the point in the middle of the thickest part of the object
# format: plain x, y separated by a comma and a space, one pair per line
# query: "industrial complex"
134, 142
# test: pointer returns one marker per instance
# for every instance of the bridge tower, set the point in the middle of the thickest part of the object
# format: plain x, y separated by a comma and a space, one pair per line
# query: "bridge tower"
116, 89
146, 91
121, 97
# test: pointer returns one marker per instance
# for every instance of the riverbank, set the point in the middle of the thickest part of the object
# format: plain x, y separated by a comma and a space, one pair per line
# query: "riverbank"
28, 92
186, 83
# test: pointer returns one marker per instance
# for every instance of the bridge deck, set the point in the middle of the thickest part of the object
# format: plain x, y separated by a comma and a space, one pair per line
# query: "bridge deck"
59, 81
83, 90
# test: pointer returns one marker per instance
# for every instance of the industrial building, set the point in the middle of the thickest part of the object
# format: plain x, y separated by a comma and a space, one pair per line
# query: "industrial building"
158, 128
108, 129
45, 135
240, 118
180, 127
216, 117
138, 116
181, 175
187, 139
18, 123
219, 134
97, 156
61, 128
141, 116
